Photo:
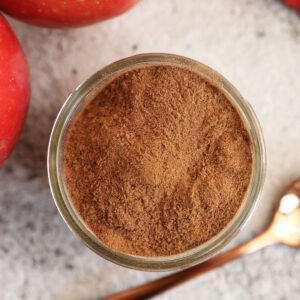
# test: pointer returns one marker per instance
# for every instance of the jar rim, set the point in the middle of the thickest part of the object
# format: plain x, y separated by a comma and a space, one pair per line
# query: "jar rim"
172, 262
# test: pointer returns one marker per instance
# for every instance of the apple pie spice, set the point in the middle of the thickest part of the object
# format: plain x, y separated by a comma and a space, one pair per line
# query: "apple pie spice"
158, 162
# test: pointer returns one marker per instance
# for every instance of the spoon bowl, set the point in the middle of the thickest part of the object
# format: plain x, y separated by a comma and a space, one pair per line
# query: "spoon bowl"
285, 226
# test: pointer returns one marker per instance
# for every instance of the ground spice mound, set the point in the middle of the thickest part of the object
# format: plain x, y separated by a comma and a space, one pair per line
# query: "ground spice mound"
158, 162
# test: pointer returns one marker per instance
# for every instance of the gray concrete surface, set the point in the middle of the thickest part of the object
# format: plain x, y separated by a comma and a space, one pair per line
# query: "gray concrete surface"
255, 44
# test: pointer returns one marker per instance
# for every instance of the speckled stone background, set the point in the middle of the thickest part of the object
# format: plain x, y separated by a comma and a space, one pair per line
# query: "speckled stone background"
255, 44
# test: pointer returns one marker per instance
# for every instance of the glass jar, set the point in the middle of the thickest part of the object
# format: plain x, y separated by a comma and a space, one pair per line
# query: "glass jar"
78, 100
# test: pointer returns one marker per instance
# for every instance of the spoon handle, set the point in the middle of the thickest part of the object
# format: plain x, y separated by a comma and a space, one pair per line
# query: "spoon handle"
158, 286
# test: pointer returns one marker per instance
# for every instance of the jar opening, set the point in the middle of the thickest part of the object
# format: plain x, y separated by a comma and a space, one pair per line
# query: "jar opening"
78, 100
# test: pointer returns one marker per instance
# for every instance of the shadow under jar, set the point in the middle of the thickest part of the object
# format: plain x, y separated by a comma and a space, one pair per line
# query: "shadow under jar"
169, 140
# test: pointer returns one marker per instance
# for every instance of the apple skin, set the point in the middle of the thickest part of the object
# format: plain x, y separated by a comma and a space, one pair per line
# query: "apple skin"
64, 13
14, 89
295, 4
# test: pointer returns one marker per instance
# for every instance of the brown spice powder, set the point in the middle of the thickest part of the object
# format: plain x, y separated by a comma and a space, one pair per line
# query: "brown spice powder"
158, 162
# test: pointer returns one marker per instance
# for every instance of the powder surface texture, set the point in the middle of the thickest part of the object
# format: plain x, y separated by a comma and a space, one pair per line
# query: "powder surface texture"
158, 162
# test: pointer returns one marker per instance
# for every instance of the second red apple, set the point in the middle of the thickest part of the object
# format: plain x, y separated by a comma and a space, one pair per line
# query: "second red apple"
64, 13
14, 89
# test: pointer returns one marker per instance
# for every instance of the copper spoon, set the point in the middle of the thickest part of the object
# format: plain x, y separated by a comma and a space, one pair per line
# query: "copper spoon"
284, 228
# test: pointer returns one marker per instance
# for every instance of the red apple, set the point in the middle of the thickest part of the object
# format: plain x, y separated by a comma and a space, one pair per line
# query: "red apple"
14, 89
64, 13
294, 4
